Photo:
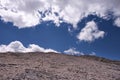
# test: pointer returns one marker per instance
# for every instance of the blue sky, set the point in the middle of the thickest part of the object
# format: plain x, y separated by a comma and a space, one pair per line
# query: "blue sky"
95, 34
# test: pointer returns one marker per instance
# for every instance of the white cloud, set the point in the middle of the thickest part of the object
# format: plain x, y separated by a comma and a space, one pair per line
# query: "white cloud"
25, 13
93, 54
17, 46
117, 22
72, 51
22, 13
90, 32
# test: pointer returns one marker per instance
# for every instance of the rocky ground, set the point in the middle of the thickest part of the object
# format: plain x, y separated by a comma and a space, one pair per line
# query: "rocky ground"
52, 66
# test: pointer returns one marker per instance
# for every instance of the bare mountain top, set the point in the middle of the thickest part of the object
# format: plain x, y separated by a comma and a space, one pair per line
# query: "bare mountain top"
52, 66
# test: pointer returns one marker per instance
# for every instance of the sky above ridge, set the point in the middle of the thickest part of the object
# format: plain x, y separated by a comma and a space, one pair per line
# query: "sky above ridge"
70, 27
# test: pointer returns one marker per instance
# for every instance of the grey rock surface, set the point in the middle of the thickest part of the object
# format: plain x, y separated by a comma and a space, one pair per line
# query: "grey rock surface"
52, 66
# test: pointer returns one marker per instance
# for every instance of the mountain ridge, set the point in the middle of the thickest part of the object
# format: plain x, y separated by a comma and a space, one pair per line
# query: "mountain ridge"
53, 66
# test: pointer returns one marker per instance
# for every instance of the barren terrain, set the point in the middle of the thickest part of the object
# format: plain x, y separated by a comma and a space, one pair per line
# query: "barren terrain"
52, 66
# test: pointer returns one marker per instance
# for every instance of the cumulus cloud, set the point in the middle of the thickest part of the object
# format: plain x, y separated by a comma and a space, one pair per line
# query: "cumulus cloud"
117, 22
29, 13
73, 51
21, 13
92, 54
17, 46
90, 32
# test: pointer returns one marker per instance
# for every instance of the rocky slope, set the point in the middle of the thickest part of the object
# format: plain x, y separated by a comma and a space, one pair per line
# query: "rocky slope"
52, 66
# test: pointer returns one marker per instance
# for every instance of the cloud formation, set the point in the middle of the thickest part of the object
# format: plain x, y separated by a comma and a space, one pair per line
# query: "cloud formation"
73, 51
90, 32
29, 13
117, 22
17, 46
92, 54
